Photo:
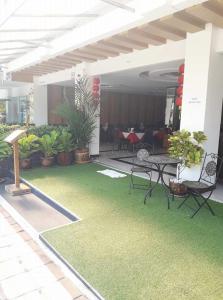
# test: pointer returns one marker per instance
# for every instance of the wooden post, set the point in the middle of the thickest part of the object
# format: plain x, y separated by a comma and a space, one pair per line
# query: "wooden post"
16, 164
16, 188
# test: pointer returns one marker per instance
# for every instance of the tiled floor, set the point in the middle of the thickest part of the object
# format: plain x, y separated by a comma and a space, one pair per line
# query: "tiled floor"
107, 158
26, 272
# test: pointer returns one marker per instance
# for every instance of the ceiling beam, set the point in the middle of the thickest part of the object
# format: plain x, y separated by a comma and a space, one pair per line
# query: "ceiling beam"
65, 59
137, 33
188, 24
97, 50
87, 55
187, 18
79, 57
57, 64
161, 31
207, 13
92, 53
105, 44
169, 29
128, 42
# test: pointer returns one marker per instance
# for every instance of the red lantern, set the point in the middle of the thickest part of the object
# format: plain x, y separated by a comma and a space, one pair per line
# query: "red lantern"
181, 79
179, 101
181, 69
96, 94
96, 81
180, 90
95, 88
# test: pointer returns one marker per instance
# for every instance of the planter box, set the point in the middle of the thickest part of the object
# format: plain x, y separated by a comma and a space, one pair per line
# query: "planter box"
177, 188
5, 167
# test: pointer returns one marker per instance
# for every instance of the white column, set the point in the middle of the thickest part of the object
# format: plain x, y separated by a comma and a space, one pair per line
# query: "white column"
202, 91
40, 105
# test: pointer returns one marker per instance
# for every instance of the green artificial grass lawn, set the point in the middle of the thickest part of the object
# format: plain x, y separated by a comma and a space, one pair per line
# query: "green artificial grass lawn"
128, 250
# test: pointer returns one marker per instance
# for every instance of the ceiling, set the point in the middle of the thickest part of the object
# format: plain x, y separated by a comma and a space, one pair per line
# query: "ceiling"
147, 80
172, 27
28, 24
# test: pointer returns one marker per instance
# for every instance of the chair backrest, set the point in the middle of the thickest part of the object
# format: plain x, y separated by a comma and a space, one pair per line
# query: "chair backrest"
211, 168
142, 154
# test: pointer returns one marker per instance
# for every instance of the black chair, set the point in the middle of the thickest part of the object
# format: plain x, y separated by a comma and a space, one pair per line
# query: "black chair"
206, 184
141, 167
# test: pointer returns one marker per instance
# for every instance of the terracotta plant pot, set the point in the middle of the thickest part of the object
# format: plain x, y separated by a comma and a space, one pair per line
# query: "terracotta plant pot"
47, 161
177, 188
25, 163
81, 156
64, 158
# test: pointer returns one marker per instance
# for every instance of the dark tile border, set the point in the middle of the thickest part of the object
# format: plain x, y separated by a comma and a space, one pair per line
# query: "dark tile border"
50, 201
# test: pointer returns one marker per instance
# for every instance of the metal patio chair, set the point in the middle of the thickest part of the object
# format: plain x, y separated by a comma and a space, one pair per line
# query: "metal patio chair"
141, 167
202, 189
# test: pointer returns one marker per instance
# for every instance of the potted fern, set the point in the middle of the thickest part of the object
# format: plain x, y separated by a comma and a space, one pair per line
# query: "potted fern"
80, 116
27, 146
48, 147
64, 147
188, 148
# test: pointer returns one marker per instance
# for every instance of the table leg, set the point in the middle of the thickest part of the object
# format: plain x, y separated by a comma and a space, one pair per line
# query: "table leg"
166, 187
150, 190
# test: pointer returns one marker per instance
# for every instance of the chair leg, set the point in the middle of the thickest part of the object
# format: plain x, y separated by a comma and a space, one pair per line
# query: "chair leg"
148, 193
185, 199
210, 208
195, 199
201, 205
131, 183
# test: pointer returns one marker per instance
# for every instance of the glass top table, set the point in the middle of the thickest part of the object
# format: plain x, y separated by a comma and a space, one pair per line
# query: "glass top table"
159, 162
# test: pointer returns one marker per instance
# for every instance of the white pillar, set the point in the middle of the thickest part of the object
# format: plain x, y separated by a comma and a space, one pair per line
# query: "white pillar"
202, 91
40, 105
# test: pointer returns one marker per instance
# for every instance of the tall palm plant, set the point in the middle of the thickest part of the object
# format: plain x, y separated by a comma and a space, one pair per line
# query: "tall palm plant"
79, 113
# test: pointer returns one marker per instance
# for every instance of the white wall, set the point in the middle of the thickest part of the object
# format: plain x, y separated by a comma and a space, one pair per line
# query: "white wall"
40, 105
203, 90
20, 91
4, 94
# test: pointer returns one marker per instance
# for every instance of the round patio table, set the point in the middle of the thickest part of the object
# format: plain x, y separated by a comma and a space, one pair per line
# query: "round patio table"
160, 162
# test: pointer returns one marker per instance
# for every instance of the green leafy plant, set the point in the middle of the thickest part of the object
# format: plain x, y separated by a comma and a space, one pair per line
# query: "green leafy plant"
48, 144
65, 141
5, 128
28, 145
80, 113
5, 149
45, 129
187, 146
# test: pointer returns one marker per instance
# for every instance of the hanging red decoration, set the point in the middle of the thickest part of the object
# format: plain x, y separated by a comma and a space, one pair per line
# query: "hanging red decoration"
180, 90
179, 101
181, 79
181, 69
96, 94
95, 88
96, 81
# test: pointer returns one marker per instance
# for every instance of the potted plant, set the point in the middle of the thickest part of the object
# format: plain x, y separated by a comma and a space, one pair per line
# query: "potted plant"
27, 145
80, 115
48, 147
5, 153
64, 147
188, 148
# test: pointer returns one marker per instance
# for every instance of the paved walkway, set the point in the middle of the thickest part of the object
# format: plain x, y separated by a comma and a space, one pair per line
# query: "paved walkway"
26, 272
